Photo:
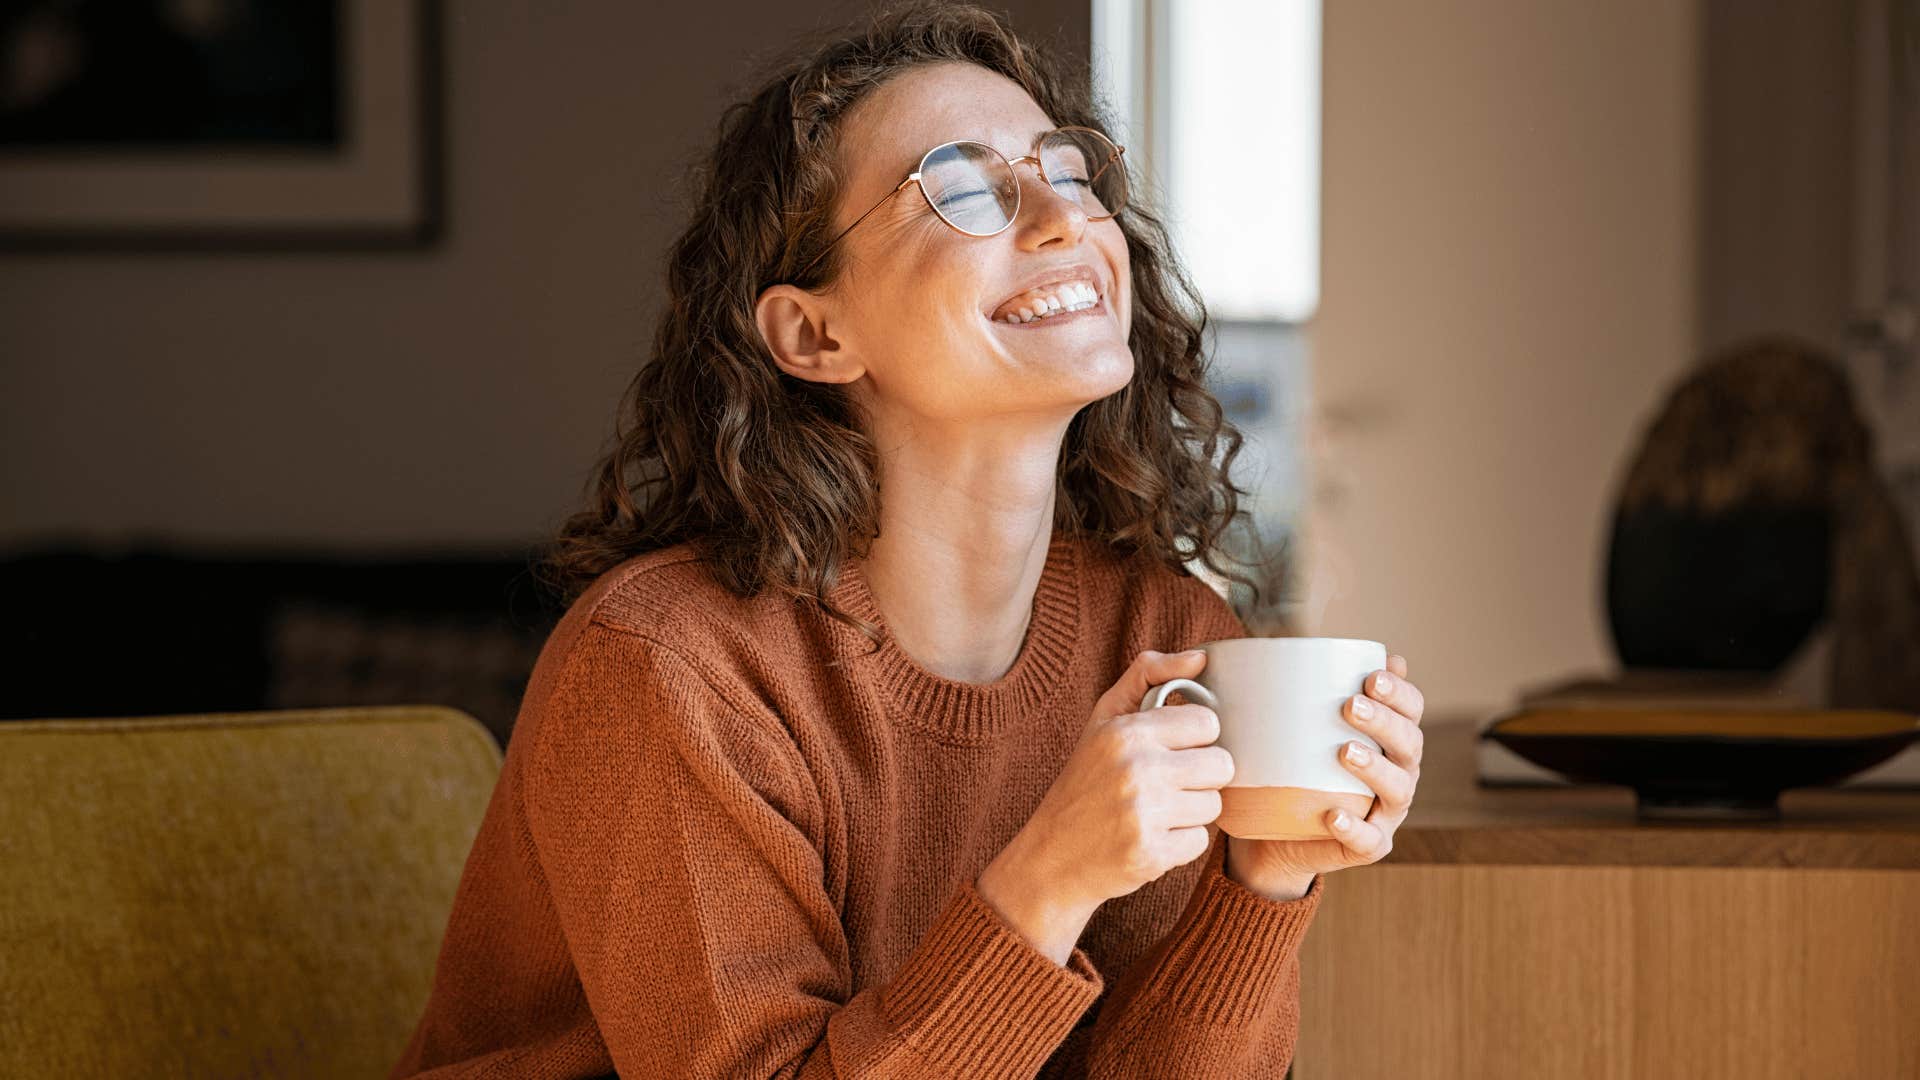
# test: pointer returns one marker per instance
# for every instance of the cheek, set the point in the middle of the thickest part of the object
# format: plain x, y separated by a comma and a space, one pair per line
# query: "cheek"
934, 360
1115, 244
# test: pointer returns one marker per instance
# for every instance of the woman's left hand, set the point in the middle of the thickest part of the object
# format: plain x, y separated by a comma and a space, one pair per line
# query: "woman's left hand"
1389, 710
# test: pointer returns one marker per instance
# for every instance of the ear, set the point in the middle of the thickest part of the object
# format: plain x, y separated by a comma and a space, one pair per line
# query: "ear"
793, 323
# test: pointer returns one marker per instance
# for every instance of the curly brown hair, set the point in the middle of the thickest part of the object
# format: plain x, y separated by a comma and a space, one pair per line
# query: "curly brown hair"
773, 477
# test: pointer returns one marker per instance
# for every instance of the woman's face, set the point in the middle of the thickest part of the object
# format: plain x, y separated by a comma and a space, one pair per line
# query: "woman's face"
910, 321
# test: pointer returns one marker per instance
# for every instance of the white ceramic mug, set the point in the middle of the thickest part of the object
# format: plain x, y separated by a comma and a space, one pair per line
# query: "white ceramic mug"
1281, 705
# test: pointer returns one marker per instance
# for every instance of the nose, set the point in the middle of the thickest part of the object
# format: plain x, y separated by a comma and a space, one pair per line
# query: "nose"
1043, 217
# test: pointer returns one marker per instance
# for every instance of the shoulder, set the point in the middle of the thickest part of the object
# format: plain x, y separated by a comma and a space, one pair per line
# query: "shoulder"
626, 711
674, 599
660, 639
659, 653
659, 593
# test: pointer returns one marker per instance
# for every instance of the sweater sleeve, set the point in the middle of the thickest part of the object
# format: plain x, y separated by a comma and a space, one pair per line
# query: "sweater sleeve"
1219, 994
679, 834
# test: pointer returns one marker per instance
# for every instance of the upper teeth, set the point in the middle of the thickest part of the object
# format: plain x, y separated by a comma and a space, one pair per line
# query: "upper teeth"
1075, 296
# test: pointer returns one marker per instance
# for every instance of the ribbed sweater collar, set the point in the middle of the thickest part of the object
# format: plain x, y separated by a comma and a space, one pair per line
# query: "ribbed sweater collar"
964, 712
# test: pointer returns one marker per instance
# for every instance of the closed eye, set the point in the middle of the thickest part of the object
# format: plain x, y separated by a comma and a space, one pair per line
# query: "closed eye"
962, 196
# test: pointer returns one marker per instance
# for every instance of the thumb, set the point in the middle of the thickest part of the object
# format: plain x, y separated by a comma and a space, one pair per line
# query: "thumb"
1148, 670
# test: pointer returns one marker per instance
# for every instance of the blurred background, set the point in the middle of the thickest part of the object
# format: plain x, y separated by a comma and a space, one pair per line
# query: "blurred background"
313, 317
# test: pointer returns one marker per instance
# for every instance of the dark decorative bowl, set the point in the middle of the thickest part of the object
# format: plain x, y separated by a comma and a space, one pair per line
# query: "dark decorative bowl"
1714, 764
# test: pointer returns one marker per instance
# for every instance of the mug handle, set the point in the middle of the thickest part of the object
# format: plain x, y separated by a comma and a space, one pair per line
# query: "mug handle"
1157, 696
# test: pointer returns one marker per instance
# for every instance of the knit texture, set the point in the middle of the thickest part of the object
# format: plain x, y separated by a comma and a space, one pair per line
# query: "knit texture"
712, 854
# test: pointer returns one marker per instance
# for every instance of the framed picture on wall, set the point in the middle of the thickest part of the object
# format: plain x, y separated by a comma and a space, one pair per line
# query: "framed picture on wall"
219, 124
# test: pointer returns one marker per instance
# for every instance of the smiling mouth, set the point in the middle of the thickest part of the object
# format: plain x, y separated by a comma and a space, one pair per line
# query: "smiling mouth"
1068, 305
1063, 317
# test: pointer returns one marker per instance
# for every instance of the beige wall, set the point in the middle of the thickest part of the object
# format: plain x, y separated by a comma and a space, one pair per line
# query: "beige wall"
454, 396
1776, 170
1508, 286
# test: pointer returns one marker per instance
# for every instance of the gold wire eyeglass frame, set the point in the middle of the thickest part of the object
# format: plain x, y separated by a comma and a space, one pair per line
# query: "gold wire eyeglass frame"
1018, 197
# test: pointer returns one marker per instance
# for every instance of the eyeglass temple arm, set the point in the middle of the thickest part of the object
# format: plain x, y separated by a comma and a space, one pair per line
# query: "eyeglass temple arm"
911, 178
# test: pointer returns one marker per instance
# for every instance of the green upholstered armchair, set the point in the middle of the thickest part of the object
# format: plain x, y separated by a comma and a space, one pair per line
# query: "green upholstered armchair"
236, 894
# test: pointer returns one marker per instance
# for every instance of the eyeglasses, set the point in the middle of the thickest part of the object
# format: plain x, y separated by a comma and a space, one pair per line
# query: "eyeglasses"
974, 189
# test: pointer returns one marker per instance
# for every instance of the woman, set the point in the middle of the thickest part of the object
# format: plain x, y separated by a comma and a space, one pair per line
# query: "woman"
832, 767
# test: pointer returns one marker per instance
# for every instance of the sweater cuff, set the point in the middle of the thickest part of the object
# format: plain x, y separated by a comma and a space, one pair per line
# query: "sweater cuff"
1229, 952
979, 999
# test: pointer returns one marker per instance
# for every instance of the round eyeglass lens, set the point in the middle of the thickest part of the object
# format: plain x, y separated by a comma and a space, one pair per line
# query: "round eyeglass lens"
971, 186
1085, 166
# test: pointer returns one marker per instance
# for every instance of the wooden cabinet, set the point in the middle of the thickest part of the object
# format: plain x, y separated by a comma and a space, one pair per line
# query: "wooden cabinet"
1545, 933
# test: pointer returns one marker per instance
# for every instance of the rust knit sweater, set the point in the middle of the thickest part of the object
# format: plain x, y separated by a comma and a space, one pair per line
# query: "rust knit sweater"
710, 854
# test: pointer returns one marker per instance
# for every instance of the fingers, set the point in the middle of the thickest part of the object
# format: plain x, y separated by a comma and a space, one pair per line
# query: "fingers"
1178, 727
1364, 841
1400, 738
1395, 771
1190, 808
1397, 664
1202, 767
1393, 690
1190, 843
1391, 783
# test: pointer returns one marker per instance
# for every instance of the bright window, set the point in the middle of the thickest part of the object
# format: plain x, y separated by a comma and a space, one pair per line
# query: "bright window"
1220, 100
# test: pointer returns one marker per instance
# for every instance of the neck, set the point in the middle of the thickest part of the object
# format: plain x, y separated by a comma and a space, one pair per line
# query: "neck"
965, 525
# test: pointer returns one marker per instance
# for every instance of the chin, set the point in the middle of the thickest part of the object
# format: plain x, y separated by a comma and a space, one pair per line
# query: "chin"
1093, 374
1111, 371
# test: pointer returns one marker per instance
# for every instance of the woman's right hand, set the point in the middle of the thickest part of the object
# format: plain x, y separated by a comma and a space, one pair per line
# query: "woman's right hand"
1132, 803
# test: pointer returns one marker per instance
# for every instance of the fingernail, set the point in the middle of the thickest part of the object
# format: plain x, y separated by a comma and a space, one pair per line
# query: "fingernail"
1362, 708
1341, 820
1194, 652
1382, 684
1358, 754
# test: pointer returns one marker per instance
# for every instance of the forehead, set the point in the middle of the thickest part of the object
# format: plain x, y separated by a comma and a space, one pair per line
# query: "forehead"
886, 133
